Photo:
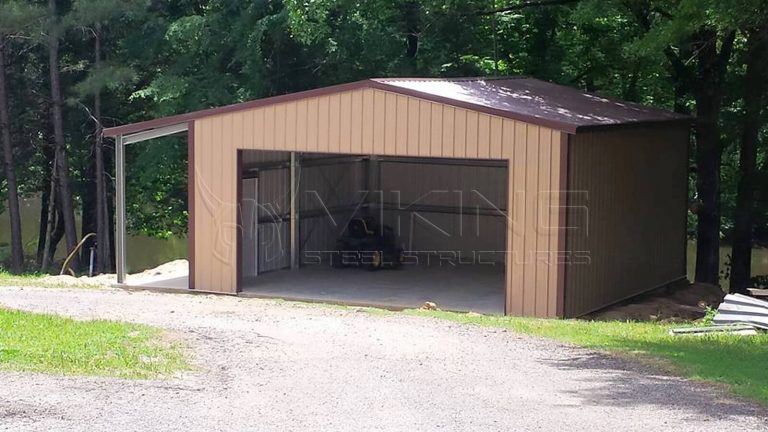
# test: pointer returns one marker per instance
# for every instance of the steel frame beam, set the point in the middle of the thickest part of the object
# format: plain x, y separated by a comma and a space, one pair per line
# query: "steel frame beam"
120, 231
155, 133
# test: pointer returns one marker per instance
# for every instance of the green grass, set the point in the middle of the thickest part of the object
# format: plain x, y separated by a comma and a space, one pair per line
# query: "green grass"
52, 344
27, 279
738, 362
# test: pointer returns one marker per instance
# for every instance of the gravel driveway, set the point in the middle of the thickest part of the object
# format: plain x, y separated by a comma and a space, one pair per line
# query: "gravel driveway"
265, 365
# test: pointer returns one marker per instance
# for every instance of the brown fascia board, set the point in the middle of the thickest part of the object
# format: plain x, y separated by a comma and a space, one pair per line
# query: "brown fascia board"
681, 122
371, 83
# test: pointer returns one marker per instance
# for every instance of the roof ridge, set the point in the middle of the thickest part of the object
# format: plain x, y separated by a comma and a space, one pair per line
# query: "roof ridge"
451, 79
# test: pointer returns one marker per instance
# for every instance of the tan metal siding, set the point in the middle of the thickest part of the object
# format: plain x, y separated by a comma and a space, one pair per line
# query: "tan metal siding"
627, 214
384, 123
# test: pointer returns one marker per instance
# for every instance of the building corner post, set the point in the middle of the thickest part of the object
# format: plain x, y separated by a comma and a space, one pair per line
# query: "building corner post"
294, 211
191, 204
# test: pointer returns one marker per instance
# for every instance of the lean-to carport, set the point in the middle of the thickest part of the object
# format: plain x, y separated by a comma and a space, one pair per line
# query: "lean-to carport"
547, 135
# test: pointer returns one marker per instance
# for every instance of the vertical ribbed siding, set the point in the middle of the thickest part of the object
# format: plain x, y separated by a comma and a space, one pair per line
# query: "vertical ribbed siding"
327, 195
627, 214
420, 193
533, 241
274, 198
369, 121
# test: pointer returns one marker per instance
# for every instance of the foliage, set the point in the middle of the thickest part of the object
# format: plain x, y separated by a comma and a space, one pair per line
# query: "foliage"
53, 344
738, 362
162, 58
156, 177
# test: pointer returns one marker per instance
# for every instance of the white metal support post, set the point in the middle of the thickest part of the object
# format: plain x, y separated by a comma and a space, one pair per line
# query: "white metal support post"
120, 209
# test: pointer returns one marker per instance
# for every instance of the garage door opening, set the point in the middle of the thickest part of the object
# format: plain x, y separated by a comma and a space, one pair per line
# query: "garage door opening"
371, 230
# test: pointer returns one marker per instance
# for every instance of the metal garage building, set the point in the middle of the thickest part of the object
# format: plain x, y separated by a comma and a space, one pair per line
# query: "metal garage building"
533, 198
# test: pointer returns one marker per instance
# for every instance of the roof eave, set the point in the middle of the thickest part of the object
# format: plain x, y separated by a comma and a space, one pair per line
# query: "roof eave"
681, 122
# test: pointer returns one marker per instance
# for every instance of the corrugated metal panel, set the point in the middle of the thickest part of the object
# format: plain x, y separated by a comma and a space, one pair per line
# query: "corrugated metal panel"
328, 186
274, 193
426, 194
254, 157
450, 185
627, 215
533, 234
274, 207
459, 238
248, 211
541, 100
274, 252
318, 235
328, 194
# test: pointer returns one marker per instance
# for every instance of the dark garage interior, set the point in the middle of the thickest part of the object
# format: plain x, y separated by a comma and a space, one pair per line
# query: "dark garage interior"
448, 216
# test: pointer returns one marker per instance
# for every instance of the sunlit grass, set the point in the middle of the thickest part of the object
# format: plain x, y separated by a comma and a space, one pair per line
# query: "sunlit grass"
33, 342
739, 362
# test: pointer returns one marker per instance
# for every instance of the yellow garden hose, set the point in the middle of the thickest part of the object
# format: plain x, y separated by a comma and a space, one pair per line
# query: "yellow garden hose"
65, 266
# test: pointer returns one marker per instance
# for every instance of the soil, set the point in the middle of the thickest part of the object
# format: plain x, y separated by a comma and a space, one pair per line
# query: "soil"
164, 271
686, 303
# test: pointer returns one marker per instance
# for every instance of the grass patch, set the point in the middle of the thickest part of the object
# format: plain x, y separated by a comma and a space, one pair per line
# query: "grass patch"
26, 279
738, 362
52, 344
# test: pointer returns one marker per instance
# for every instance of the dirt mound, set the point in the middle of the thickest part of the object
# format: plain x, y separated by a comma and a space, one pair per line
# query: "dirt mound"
684, 303
175, 268
167, 270
67, 280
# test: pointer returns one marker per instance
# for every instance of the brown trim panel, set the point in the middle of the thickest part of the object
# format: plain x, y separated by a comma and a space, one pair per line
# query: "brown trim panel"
565, 140
508, 240
191, 203
239, 226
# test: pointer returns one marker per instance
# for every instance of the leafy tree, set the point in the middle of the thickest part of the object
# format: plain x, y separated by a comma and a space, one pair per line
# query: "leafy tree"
14, 18
61, 159
91, 16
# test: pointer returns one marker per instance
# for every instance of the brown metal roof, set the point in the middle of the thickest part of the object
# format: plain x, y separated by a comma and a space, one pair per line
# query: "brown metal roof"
539, 102
525, 99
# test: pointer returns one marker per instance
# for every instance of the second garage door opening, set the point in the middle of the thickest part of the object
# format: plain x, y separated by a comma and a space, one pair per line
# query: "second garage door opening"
369, 230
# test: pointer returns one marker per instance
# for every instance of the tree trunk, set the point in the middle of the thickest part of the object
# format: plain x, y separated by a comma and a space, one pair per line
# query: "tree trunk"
47, 246
102, 216
45, 187
708, 92
56, 235
411, 18
17, 252
754, 90
62, 164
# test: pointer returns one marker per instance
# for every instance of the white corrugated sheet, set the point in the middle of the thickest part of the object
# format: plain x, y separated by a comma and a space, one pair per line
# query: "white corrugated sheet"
737, 308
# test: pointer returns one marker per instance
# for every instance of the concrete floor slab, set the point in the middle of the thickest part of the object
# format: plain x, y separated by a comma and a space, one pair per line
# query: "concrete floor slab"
461, 288
180, 282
